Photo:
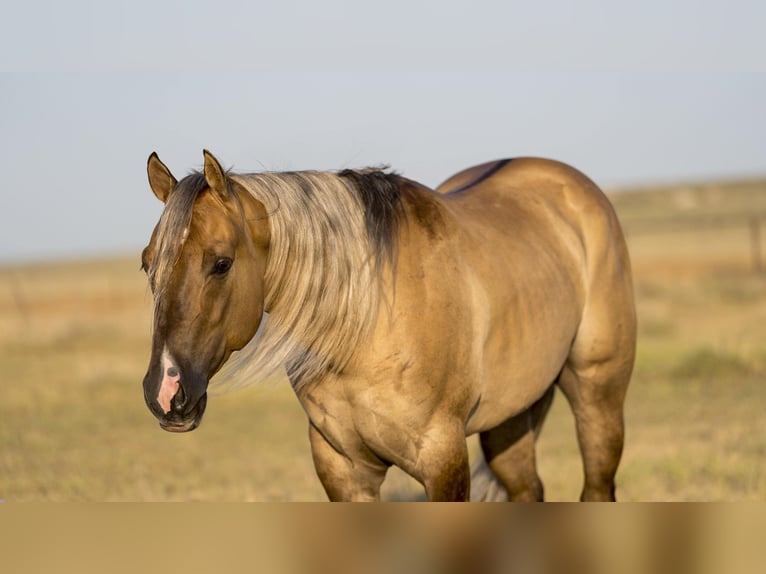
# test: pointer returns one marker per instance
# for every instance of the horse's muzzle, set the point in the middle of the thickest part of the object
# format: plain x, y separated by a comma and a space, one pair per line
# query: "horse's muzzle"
179, 409
178, 422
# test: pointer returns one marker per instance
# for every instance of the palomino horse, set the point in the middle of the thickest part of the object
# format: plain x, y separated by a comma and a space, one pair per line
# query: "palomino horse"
406, 319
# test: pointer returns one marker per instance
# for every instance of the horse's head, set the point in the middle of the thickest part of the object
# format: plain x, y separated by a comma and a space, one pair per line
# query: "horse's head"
205, 262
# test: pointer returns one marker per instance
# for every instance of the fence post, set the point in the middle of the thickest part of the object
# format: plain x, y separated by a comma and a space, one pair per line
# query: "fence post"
755, 243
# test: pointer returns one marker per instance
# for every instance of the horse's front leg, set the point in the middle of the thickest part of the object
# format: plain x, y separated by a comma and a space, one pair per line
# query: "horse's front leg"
346, 479
443, 464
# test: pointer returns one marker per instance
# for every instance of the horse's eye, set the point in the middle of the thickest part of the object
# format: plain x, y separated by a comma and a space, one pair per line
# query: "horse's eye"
222, 266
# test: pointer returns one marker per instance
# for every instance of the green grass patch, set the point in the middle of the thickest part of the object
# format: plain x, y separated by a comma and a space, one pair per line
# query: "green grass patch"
708, 364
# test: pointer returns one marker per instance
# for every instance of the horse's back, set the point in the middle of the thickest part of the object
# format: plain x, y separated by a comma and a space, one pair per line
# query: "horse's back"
472, 176
523, 177
539, 197
547, 202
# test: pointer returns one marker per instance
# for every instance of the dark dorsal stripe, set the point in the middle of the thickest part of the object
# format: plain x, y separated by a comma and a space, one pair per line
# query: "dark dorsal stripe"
175, 219
497, 166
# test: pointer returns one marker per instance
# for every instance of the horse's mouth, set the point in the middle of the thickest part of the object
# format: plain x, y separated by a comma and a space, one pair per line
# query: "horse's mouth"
180, 427
189, 424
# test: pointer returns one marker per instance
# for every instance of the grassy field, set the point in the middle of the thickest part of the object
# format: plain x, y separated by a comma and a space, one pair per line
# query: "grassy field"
74, 343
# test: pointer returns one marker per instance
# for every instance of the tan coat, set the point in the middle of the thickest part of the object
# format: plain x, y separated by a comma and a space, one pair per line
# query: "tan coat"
512, 278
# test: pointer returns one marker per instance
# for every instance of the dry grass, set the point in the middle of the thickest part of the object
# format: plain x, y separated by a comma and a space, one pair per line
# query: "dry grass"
74, 342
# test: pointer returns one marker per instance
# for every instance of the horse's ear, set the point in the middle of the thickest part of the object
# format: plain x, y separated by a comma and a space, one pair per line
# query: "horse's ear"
161, 180
215, 176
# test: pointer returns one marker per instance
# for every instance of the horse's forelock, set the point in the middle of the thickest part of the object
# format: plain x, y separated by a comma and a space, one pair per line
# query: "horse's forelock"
173, 230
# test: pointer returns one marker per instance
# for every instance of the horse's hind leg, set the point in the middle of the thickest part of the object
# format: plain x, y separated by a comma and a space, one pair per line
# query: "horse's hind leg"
597, 371
595, 381
596, 394
509, 450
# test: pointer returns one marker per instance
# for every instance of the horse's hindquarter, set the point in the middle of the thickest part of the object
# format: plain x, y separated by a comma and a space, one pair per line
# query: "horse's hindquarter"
522, 248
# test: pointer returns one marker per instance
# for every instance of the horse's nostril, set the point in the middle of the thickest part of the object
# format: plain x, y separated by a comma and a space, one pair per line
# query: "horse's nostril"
179, 400
172, 372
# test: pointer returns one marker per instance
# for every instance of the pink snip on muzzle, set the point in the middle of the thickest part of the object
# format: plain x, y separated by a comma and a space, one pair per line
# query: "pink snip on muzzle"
171, 380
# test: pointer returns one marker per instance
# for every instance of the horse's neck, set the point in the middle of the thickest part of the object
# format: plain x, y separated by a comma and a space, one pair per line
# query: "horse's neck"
319, 286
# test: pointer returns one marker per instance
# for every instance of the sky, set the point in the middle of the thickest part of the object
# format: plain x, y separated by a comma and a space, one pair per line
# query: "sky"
630, 93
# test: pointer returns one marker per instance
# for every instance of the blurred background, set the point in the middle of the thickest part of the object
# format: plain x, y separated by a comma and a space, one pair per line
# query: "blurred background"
661, 103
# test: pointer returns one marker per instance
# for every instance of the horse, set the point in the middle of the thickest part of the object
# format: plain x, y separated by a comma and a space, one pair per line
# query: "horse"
405, 318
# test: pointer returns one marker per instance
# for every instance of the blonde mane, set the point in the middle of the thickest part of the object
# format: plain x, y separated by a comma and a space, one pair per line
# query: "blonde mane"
330, 237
